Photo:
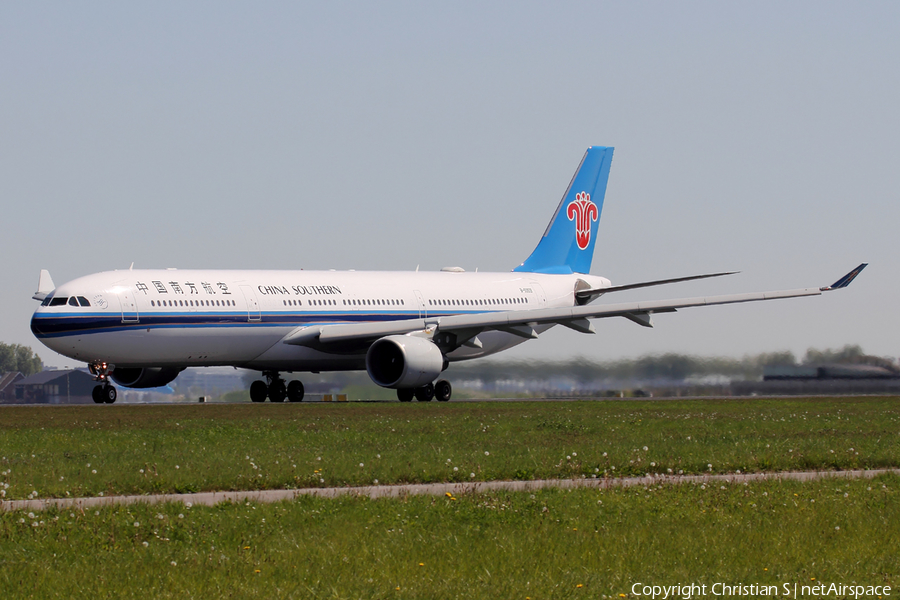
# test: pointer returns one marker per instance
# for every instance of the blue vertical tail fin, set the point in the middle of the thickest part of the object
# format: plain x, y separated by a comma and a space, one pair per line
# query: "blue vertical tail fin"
568, 243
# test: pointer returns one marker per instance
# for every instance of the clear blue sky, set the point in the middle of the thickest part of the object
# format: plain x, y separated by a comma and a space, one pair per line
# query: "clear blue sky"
761, 137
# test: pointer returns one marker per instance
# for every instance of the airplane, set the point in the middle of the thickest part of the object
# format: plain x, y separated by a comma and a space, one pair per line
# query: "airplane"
141, 328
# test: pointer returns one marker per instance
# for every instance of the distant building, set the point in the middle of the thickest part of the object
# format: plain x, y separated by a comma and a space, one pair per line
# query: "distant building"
833, 379
55, 387
827, 372
8, 387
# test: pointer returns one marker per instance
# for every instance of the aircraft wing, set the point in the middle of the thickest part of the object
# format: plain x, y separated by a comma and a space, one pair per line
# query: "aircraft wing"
465, 328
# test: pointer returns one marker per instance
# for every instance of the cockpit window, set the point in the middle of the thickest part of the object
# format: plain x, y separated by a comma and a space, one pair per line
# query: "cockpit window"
82, 301
46, 301
73, 301
59, 301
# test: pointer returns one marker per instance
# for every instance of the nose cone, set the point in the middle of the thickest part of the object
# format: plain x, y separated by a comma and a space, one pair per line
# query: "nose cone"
36, 324
42, 326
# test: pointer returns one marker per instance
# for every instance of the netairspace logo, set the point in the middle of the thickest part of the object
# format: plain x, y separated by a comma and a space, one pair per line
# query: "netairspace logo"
784, 590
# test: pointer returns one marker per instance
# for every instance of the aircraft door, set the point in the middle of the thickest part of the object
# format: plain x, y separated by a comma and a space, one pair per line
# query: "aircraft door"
129, 307
539, 294
253, 314
423, 310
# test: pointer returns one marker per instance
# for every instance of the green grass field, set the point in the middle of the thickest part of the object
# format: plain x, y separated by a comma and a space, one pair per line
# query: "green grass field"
547, 544
89, 450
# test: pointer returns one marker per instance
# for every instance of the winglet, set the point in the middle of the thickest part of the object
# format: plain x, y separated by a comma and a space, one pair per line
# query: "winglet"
846, 279
45, 286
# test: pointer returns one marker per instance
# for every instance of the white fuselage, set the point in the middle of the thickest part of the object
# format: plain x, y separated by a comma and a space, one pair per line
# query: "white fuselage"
184, 318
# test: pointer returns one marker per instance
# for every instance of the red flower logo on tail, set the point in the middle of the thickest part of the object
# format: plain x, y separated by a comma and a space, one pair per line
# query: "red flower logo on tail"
582, 211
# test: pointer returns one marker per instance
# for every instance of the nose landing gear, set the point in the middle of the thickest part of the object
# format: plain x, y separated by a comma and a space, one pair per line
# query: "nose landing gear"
104, 393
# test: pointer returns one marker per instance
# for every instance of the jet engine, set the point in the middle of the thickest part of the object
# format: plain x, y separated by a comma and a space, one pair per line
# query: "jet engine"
146, 377
402, 361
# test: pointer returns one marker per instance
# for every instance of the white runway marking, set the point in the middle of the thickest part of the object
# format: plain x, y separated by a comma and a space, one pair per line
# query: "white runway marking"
433, 489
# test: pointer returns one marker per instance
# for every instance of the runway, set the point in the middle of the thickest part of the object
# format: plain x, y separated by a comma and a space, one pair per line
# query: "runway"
433, 489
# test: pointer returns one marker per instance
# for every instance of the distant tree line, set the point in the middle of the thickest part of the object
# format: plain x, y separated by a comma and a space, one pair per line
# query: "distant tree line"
670, 367
14, 357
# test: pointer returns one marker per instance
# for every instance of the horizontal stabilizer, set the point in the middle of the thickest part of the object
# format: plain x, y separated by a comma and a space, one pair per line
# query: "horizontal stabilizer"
590, 294
45, 286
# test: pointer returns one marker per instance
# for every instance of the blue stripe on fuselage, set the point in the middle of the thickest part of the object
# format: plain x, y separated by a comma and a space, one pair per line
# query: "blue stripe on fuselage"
67, 324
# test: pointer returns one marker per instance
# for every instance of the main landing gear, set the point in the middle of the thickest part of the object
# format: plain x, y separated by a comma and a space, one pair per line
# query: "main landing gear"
275, 389
104, 393
440, 390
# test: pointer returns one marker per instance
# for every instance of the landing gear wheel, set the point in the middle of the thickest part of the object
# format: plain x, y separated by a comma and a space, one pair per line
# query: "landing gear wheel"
97, 394
425, 393
277, 391
405, 394
109, 394
295, 391
442, 390
258, 391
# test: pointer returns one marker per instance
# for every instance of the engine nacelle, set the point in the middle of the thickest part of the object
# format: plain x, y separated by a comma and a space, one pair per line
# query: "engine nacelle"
402, 361
146, 377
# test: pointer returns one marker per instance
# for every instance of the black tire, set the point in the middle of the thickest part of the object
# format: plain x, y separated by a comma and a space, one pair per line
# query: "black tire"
277, 391
258, 391
425, 393
109, 394
443, 390
405, 394
97, 395
295, 391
